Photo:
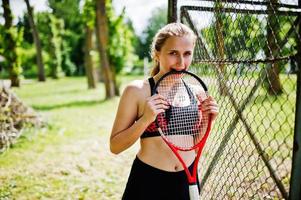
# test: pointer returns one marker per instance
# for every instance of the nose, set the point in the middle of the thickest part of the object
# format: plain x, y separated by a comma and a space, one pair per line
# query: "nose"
181, 61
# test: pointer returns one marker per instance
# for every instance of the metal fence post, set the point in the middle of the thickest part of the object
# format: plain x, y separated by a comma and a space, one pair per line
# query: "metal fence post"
295, 183
172, 11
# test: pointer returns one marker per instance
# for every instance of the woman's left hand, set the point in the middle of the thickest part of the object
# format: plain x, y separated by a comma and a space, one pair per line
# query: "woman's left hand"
210, 106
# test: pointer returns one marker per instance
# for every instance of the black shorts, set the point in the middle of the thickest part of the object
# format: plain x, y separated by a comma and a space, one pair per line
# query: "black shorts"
149, 183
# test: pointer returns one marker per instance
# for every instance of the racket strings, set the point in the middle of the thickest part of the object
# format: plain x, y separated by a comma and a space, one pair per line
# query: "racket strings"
183, 124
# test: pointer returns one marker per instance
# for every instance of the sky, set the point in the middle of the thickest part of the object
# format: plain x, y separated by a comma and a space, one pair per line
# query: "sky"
139, 11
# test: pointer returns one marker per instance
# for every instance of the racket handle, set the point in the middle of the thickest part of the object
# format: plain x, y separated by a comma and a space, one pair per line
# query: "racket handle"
194, 192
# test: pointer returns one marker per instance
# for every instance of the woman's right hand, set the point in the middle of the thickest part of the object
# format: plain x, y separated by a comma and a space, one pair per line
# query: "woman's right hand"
153, 106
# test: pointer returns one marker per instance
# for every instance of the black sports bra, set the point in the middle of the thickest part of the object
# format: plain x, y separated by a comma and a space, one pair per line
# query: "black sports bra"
192, 117
151, 130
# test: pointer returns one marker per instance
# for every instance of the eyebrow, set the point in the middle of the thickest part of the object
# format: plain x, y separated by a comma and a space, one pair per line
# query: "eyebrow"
178, 51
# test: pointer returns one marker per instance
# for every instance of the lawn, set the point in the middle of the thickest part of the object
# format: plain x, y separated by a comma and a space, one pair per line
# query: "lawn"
70, 158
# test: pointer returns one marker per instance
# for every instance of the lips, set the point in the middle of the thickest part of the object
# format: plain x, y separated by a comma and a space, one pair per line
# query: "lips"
179, 68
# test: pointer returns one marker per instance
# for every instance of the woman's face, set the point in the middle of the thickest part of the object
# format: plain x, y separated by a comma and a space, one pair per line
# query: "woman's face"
176, 53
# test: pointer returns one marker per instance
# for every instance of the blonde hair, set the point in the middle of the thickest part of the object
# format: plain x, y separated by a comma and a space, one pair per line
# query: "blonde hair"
172, 29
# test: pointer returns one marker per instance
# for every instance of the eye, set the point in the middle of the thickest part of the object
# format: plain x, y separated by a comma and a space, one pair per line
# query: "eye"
173, 53
187, 53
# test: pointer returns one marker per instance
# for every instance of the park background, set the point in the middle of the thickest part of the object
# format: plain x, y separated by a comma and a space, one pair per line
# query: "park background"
64, 64
68, 157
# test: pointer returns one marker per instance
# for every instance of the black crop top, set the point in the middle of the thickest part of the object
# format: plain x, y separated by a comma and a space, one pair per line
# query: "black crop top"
151, 130
193, 110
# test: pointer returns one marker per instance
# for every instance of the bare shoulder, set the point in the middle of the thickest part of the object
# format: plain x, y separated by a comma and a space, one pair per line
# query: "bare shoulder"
137, 84
136, 87
133, 95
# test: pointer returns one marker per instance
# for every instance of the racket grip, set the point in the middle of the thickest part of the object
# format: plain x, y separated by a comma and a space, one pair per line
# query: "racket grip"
194, 192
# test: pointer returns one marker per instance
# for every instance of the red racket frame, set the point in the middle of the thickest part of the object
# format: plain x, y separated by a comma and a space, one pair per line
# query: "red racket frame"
192, 178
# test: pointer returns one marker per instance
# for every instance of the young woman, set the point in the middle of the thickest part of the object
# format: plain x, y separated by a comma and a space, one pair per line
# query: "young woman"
156, 172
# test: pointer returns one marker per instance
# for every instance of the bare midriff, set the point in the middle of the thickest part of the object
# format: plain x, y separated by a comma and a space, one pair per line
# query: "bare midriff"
155, 152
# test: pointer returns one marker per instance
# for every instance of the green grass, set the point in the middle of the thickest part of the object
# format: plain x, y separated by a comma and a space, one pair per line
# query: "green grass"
70, 158
271, 120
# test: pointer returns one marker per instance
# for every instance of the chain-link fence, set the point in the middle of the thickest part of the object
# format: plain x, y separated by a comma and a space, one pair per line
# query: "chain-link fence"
247, 52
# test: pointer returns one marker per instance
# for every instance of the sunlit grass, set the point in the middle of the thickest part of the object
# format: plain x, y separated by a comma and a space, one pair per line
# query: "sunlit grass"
268, 119
69, 158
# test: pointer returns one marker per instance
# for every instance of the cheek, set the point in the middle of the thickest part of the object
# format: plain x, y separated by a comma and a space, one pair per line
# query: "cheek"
170, 60
188, 61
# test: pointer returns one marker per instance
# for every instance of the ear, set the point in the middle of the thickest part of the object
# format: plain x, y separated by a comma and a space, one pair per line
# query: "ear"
157, 53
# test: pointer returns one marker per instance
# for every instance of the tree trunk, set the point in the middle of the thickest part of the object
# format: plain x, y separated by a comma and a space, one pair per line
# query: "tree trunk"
36, 38
88, 61
10, 47
102, 35
220, 46
273, 83
116, 85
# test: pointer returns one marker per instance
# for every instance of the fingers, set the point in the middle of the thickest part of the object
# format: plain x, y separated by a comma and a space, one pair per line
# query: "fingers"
154, 105
157, 100
161, 106
201, 97
210, 106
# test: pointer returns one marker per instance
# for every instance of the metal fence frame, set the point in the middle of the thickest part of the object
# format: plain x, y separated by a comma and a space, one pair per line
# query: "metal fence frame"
295, 181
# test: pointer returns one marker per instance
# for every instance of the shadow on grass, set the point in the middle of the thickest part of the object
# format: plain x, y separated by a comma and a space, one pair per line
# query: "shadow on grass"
54, 93
68, 105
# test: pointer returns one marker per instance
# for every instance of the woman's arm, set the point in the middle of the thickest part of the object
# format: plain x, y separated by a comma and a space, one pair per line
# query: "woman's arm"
125, 130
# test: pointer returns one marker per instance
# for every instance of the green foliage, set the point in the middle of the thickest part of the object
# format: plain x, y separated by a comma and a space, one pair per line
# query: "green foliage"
89, 15
28, 57
27, 49
121, 39
242, 34
55, 50
286, 22
23, 22
53, 36
2, 32
57, 27
245, 36
69, 12
51, 30
157, 21
10, 41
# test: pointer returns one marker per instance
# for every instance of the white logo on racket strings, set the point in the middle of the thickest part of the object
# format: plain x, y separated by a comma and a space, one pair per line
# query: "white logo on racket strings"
181, 100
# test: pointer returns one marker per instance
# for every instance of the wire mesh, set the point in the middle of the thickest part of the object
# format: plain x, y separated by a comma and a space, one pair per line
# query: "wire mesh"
246, 53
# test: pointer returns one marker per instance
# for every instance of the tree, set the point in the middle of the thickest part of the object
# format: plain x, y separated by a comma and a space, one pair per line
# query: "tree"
56, 27
37, 42
273, 83
73, 37
102, 37
157, 21
10, 43
121, 41
219, 41
89, 19
235, 37
242, 37
51, 31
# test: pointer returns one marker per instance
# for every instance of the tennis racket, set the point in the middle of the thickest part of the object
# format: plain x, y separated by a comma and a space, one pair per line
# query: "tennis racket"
183, 126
